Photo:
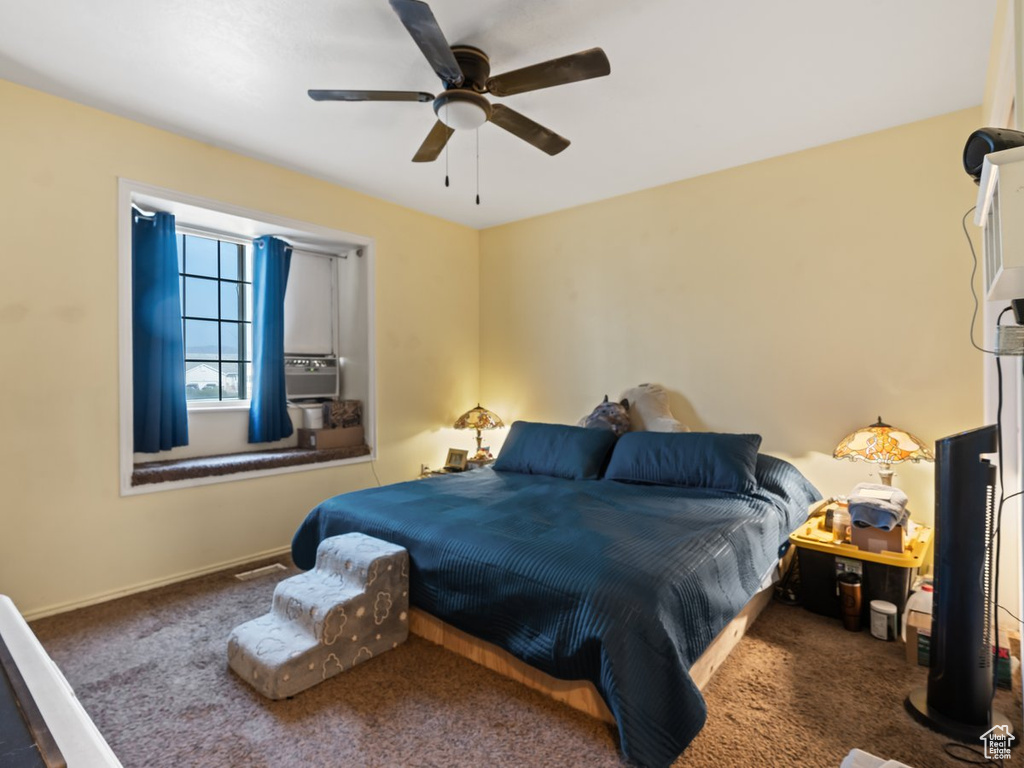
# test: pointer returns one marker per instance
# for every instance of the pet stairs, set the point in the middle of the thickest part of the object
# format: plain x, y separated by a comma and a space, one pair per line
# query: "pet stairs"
353, 605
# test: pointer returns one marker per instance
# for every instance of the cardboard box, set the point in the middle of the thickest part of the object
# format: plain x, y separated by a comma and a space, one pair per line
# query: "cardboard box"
919, 630
343, 413
321, 439
876, 540
919, 642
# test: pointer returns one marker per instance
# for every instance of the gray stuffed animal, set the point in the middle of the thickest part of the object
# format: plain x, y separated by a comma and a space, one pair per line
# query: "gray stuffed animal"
613, 416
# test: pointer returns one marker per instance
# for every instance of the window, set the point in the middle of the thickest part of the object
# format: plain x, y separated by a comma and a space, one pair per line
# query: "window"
216, 312
331, 311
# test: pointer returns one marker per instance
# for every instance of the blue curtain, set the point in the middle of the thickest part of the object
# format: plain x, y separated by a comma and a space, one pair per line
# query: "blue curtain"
158, 359
268, 412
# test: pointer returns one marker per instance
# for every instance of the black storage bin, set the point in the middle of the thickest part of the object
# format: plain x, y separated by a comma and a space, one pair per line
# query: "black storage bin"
819, 591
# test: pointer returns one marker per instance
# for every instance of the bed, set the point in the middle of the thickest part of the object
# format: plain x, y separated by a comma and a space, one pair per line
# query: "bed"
606, 575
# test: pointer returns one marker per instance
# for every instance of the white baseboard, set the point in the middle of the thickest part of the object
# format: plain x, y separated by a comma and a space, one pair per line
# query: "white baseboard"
103, 597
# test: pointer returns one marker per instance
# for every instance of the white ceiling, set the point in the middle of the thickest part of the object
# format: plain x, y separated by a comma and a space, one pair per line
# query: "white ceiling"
695, 86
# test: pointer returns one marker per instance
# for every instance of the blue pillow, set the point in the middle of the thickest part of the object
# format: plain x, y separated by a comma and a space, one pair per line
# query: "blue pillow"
557, 450
783, 479
723, 462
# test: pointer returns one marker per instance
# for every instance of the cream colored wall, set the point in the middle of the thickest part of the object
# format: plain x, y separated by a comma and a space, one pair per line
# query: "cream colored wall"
65, 534
798, 297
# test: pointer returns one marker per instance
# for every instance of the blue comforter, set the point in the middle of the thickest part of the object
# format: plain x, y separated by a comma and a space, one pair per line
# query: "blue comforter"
623, 585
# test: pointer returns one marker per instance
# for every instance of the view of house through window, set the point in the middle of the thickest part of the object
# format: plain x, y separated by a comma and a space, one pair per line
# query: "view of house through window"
216, 317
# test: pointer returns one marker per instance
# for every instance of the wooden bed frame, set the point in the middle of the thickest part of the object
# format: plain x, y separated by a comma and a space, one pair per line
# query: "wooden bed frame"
581, 694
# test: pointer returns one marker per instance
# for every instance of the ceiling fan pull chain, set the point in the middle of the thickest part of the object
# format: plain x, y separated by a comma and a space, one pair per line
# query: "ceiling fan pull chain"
478, 166
446, 150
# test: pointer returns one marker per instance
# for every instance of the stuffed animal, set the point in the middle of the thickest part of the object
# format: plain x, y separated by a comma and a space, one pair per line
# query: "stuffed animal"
613, 416
648, 410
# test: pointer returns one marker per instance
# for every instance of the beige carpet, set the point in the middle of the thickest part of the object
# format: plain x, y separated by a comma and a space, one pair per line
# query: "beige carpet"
151, 670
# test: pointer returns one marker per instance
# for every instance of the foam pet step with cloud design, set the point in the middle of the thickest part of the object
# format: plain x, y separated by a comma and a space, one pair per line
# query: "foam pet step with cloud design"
353, 605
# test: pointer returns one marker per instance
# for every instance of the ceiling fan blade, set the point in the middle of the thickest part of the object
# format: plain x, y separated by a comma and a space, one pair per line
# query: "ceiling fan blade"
420, 22
568, 69
370, 96
434, 143
527, 130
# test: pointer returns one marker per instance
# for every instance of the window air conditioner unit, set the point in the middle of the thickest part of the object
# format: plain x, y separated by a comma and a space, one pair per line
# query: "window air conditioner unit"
309, 377
1000, 214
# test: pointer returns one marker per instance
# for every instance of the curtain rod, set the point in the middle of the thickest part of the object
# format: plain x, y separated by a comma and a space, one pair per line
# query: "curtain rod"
231, 238
228, 237
299, 249
190, 229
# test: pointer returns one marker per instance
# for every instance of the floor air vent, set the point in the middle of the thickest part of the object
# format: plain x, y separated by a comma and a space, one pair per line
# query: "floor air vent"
255, 573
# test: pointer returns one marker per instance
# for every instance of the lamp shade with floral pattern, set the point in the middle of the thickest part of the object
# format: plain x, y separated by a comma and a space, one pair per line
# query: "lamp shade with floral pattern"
479, 418
882, 444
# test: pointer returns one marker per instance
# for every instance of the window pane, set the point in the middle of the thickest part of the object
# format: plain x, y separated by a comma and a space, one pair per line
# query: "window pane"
200, 256
218, 342
201, 339
229, 259
202, 381
229, 384
230, 341
230, 296
181, 295
201, 297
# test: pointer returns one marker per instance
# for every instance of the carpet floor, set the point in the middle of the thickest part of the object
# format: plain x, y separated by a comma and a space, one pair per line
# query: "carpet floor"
151, 671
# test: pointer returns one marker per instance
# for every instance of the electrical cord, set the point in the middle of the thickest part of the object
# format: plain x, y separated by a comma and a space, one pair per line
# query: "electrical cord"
1007, 498
995, 537
973, 751
1009, 613
787, 591
974, 272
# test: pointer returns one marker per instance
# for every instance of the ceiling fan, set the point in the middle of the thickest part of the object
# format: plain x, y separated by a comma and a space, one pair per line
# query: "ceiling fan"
465, 73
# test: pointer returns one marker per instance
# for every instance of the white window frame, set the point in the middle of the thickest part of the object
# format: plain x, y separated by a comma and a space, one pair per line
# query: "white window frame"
233, 404
251, 224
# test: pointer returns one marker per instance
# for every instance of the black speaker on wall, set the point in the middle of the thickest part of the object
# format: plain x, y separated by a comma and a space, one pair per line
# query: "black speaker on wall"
986, 140
958, 698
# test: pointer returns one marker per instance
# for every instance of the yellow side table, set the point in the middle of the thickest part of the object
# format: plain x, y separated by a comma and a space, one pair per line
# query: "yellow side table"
812, 535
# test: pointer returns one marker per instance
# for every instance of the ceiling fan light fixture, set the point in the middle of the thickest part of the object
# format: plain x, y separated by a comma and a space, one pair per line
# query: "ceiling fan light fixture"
465, 73
461, 109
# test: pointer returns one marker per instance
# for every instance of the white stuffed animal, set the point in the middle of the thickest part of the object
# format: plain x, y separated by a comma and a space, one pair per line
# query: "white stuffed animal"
648, 410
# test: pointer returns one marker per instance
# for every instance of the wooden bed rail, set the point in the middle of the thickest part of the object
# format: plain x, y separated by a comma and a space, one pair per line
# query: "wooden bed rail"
581, 694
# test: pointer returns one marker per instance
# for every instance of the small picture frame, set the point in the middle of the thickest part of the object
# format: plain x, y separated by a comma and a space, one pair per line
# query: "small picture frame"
457, 459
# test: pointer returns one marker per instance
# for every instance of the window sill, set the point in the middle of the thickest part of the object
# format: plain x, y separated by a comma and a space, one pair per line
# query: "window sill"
217, 405
155, 472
